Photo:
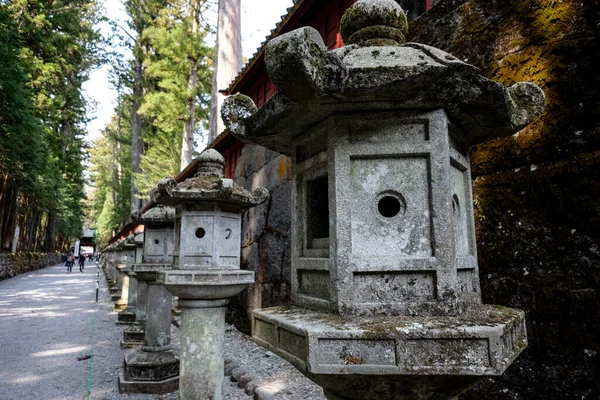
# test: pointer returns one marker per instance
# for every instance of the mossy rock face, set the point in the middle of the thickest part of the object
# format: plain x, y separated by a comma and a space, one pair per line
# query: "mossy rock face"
536, 193
553, 44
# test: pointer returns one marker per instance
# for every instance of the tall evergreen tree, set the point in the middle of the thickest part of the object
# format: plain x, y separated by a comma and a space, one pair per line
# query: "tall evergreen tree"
228, 58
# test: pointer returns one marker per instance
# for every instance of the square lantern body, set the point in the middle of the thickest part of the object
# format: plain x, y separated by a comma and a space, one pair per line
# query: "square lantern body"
128, 254
207, 236
383, 220
158, 243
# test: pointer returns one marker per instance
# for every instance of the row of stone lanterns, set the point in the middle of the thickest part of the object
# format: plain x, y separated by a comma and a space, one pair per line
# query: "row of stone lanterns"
191, 248
386, 302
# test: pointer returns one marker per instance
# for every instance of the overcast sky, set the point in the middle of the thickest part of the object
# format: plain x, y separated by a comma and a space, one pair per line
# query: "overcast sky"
258, 18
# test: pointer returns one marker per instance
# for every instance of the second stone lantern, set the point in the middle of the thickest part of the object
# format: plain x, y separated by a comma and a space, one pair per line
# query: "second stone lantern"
386, 301
206, 267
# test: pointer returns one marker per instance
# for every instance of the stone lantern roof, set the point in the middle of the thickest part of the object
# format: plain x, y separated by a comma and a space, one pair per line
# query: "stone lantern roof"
139, 239
207, 185
119, 245
376, 70
155, 215
129, 241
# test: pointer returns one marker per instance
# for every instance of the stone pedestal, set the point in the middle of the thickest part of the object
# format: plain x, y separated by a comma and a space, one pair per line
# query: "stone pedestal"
149, 372
389, 358
202, 326
153, 368
133, 335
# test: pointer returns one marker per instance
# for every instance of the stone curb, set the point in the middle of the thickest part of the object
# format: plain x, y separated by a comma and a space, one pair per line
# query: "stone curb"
246, 382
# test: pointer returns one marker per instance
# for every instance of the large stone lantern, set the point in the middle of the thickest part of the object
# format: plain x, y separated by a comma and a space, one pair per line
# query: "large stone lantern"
386, 301
206, 267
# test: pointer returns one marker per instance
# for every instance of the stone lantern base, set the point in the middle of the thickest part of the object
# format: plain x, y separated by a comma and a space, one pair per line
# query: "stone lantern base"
133, 336
126, 316
399, 357
149, 373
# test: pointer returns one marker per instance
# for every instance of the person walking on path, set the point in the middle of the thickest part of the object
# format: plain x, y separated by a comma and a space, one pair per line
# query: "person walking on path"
69, 262
81, 262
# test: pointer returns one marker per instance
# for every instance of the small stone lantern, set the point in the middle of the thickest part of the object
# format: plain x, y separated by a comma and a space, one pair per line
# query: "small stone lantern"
117, 266
125, 283
206, 267
109, 271
127, 315
153, 367
386, 301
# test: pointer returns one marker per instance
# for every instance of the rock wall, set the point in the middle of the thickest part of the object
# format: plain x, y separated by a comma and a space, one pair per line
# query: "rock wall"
266, 246
537, 193
13, 264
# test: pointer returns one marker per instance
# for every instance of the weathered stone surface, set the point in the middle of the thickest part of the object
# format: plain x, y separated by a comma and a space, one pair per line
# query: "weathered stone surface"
253, 158
208, 185
353, 356
271, 255
279, 215
410, 76
300, 66
273, 174
206, 284
262, 393
133, 336
243, 380
236, 373
229, 367
149, 372
233, 112
156, 215
203, 326
373, 23
250, 388
253, 222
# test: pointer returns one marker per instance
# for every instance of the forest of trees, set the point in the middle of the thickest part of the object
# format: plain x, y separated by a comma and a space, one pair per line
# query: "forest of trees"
164, 100
47, 49
161, 68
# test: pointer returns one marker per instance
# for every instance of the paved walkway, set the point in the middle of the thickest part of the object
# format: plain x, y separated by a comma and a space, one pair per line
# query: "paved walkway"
47, 320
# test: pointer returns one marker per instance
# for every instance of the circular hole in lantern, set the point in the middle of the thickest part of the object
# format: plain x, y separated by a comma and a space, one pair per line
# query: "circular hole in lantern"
389, 206
156, 241
200, 232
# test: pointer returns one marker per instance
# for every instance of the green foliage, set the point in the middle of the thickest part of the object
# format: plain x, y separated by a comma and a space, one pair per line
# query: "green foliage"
161, 39
47, 50
171, 49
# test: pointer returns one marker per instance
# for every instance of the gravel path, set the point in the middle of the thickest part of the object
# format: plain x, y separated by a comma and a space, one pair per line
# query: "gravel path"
47, 319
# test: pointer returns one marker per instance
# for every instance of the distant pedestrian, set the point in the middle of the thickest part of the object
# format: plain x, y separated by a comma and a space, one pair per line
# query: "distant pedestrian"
64, 258
69, 262
81, 262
